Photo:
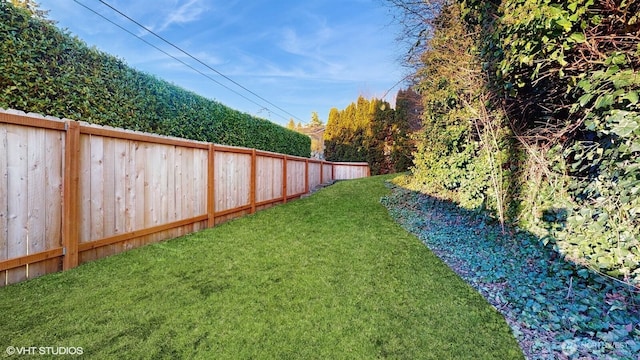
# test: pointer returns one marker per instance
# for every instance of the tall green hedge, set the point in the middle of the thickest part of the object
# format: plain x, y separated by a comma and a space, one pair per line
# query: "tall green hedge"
46, 70
532, 112
569, 72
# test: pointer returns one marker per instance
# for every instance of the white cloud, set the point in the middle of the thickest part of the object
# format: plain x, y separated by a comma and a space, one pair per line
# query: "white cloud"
302, 55
185, 13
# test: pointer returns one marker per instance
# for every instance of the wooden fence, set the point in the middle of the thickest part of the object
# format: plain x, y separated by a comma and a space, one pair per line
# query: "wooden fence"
71, 192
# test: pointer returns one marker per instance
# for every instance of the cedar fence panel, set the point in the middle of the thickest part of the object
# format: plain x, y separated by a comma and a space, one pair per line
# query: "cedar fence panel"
232, 182
71, 192
346, 171
295, 177
269, 180
31, 172
327, 173
129, 186
315, 174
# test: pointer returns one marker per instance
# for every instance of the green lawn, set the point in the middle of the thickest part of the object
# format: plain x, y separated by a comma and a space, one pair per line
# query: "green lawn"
331, 276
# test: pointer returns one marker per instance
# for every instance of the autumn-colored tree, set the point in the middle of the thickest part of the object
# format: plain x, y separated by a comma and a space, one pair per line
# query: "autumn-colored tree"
345, 134
32, 7
315, 120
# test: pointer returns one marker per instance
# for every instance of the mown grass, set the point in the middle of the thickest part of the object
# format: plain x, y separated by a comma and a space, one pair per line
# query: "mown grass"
331, 276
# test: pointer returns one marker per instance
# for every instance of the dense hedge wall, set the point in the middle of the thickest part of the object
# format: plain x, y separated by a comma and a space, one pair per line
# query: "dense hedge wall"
532, 112
46, 70
570, 74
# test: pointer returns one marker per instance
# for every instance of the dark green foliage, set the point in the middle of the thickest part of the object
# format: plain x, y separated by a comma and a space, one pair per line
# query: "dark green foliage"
48, 71
569, 72
531, 109
407, 116
371, 131
556, 310
344, 135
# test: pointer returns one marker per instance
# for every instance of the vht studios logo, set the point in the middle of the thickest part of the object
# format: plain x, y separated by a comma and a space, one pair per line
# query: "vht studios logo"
44, 350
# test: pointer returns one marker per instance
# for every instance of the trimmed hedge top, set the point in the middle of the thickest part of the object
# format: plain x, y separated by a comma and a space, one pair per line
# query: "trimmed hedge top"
46, 70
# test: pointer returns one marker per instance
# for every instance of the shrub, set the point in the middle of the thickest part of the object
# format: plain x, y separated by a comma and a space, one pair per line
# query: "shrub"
46, 70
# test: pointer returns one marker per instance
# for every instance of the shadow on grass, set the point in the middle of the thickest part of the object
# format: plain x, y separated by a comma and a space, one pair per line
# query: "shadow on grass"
555, 308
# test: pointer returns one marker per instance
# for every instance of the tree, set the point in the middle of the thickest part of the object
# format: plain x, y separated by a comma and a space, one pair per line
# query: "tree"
291, 125
410, 108
379, 136
32, 7
315, 120
316, 146
331, 133
415, 17
366, 130
407, 120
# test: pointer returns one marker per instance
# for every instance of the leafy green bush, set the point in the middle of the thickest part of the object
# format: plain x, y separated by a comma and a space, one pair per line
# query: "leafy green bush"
464, 149
531, 111
569, 72
48, 71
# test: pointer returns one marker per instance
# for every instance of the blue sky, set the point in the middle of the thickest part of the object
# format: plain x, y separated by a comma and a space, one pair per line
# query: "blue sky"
302, 56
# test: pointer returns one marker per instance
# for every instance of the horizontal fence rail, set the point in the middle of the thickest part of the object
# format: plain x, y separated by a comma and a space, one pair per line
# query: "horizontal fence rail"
71, 192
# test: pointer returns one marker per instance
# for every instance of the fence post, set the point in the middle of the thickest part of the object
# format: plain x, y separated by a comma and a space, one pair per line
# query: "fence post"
284, 179
254, 174
70, 185
211, 188
306, 176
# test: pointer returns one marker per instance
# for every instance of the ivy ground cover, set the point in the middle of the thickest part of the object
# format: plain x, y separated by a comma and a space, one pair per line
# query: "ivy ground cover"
331, 276
556, 310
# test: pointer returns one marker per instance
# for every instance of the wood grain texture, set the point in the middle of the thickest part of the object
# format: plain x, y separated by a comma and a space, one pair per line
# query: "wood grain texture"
36, 200
4, 200
66, 186
17, 209
54, 173
232, 180
327, 170
344, 171
268, 178
71, 204
315, 178
295, 177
